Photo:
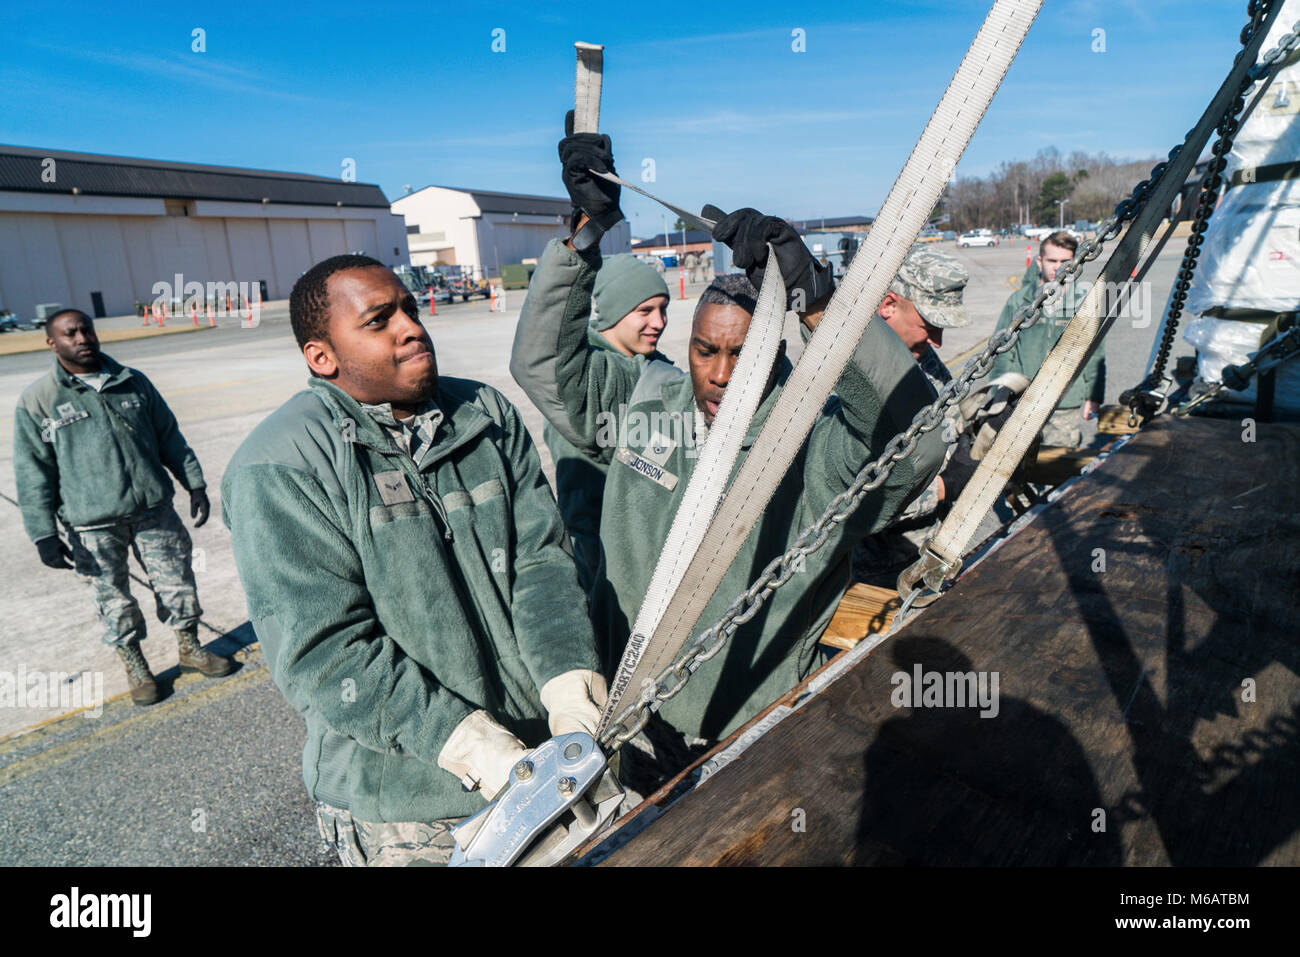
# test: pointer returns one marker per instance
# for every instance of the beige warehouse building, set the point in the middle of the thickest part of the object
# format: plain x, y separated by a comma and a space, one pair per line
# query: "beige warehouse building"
485, 230
99, 232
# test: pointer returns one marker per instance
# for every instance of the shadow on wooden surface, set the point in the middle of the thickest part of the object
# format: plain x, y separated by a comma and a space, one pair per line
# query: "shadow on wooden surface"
1143, 634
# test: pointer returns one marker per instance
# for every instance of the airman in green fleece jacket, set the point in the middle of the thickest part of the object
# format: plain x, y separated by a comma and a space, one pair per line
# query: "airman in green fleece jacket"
647, 422
93, 445
405, 571
631, 312
773, 652
1082, 398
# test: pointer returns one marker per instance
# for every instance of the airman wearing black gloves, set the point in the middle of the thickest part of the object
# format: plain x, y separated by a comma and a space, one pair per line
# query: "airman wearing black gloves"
596, 400
595, 200
748, 232
93, 443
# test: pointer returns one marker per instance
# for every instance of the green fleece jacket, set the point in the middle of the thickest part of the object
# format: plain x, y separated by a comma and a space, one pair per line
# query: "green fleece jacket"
96, 458
1031, 349
877, 396
580, 481
390, 602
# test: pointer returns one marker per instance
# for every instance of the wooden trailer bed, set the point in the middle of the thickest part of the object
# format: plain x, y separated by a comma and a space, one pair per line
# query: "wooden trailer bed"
1145, 633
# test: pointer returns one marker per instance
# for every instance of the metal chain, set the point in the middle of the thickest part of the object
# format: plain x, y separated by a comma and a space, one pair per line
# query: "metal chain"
1284, 46
1145, 400
629, 722
779, 571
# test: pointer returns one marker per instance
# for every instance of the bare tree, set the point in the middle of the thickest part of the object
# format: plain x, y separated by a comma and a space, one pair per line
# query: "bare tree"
1014, 193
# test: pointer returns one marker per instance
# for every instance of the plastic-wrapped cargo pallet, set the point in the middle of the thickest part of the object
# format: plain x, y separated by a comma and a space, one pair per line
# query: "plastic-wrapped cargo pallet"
1250, 262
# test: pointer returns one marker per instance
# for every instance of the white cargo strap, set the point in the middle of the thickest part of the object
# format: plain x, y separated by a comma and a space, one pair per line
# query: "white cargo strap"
852, 307
949, 544
586, 119
708, 481
586, 87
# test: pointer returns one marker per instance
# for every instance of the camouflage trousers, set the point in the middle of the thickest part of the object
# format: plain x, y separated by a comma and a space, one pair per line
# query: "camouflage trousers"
370, 844
162, 546
1064, 429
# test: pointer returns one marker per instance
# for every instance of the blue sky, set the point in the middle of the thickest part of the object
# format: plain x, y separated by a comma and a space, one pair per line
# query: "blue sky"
713, 93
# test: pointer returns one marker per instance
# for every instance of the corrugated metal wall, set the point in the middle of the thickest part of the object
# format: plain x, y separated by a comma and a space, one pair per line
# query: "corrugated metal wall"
64, 258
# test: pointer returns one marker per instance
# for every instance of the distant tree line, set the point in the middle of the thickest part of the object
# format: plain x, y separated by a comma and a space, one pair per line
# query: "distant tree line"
1027, 191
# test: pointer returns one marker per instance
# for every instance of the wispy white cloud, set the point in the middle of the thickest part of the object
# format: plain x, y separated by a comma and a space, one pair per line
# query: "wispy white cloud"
193, 68
1139, 10
1061, 136
504, 139
677, 43
778, 33
739, 121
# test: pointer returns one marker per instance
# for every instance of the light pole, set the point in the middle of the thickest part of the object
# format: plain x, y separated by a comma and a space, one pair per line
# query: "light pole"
1060, 206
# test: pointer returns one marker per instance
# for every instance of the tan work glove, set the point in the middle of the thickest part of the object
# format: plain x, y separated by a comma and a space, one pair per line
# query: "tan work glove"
481, 753
573, 701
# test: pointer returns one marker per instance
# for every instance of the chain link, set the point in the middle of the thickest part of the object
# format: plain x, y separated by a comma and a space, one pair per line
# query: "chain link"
629, 722
1284, 46
709, 642
1145, 400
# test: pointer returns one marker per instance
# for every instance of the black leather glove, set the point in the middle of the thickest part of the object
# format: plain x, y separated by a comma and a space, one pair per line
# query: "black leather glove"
54, 553
959, 470
199, 506
598, 198
747, 232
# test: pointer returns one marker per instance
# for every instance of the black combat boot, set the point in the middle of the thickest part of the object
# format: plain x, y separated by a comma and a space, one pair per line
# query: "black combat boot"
195, 658
143, 689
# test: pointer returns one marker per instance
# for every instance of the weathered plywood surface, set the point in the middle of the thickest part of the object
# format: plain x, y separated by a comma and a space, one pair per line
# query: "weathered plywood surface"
1125, 691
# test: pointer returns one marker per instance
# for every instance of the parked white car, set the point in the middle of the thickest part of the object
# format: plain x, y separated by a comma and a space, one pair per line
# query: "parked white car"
977, 237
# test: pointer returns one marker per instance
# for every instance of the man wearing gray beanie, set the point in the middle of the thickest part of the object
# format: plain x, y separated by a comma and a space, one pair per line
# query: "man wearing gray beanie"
630, 302
631, 305
646, 420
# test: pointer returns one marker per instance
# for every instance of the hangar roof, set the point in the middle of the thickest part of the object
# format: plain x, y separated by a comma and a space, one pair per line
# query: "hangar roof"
674, 238
94, 174
525, 204
831, 223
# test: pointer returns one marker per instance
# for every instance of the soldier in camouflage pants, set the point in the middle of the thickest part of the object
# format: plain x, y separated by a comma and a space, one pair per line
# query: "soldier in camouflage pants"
371, 844
96, 449
1063, 429
1082, 398
162, 546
